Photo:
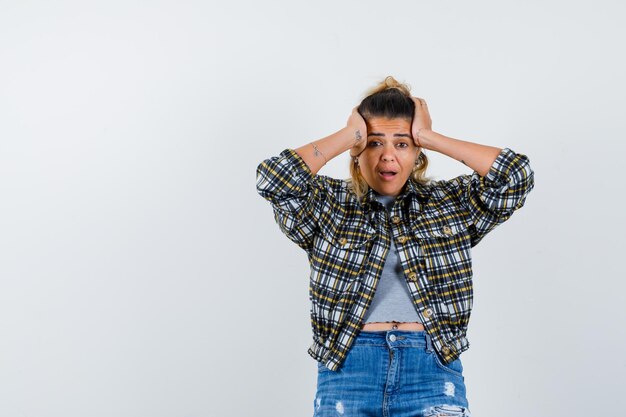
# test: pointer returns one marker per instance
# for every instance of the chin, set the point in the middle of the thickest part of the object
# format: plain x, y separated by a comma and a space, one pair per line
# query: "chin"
388, 191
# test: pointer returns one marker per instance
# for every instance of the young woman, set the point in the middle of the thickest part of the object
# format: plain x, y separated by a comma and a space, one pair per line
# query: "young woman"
390, 253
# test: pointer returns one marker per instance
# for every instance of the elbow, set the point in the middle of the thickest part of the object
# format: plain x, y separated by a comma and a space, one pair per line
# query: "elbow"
263, 179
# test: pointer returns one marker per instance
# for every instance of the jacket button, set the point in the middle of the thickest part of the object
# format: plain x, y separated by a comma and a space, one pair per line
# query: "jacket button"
445, 350
412, 276
343, 241
395, 219
428, 312
447, 230
403, 239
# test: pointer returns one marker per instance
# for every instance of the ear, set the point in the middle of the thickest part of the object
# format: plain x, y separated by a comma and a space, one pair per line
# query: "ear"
417, 156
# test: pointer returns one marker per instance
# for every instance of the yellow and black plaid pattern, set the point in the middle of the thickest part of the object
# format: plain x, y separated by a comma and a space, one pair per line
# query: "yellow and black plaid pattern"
433, 226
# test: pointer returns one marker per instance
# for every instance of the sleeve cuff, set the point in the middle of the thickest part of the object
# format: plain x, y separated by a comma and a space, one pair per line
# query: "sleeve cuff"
500, 170
295, 160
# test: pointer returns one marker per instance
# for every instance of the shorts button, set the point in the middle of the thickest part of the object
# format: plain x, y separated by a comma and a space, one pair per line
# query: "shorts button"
392, 337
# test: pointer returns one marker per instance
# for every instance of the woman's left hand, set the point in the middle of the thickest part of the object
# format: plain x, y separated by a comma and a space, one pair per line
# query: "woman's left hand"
421, 119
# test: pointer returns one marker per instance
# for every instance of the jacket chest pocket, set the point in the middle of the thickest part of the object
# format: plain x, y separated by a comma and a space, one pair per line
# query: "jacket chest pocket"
445, 242
340, 252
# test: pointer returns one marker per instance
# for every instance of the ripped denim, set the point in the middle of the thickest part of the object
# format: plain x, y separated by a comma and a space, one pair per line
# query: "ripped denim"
392, 373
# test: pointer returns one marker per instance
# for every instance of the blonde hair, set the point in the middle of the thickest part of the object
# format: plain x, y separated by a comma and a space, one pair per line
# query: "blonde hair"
389, 99
389, 82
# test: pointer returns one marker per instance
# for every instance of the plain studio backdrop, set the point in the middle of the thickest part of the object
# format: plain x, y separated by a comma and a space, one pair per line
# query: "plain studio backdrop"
142, 275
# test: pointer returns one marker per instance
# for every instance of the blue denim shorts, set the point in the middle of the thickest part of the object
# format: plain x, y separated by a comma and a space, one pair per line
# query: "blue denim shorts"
391, 373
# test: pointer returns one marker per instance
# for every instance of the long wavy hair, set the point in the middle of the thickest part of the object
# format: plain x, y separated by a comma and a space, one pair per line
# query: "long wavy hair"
389, 99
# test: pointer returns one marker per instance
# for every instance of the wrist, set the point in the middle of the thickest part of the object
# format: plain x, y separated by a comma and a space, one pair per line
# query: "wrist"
353, 136
422, 137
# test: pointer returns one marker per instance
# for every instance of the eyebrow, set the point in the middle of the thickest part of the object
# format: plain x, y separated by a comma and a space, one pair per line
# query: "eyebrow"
395, 135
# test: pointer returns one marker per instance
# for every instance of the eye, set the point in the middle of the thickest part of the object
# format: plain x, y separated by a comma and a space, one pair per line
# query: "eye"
402, 145
374, 143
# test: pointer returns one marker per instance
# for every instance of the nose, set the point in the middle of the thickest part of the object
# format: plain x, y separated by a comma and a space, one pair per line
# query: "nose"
387, 155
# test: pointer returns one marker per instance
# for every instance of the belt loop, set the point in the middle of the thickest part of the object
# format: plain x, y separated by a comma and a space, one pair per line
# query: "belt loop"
429, 343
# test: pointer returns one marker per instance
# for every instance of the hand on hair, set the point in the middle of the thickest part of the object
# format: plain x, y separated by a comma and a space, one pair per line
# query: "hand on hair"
421, 119
358, 128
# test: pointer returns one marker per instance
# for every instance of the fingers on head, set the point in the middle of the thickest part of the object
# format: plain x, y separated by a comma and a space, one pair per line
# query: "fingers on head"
419, 101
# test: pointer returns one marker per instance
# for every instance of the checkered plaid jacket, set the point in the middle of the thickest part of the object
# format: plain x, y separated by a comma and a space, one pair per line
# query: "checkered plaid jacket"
433, 226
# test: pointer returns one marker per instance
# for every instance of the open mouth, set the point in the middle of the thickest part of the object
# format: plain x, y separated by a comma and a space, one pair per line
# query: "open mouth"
387, 175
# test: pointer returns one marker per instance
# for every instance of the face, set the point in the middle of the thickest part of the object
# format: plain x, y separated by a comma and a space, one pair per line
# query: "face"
390, 155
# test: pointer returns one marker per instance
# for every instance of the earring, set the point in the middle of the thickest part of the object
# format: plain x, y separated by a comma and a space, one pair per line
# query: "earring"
356, 161
418, 161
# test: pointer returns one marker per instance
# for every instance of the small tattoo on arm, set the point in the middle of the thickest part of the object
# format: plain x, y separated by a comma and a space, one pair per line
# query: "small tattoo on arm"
318, 153
357, 135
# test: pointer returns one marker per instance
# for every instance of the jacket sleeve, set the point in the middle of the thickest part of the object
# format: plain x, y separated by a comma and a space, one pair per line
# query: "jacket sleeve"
492, 199
294, 193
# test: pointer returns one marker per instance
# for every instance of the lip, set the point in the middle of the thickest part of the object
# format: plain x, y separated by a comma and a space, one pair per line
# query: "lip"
387, 175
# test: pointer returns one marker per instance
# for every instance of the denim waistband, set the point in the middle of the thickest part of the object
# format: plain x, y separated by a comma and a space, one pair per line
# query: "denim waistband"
394, 338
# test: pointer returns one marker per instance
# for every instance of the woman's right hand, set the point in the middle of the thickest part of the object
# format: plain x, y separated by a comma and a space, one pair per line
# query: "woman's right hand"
357, 127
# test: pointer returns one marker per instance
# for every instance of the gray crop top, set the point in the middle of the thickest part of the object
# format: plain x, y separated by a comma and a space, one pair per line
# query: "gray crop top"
392, 300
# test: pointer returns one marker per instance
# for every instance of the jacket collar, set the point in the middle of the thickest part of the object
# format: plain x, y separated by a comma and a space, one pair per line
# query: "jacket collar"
411, 188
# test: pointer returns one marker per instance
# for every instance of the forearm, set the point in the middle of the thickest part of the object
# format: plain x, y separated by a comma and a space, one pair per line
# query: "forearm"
329, 147
476, 156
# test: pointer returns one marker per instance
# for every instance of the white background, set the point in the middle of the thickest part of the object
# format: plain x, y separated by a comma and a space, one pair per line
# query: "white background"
141, 274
